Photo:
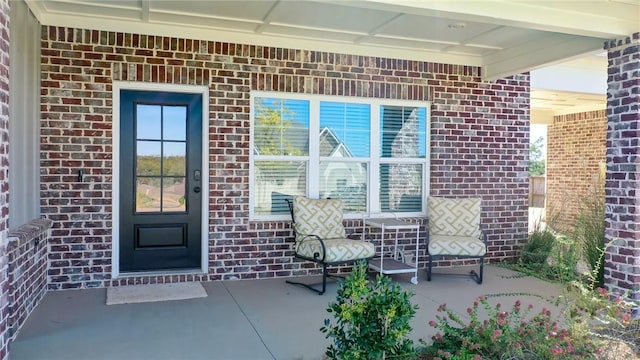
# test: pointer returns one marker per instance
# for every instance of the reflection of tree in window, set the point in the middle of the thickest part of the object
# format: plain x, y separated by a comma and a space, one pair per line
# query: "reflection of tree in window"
272, 129
280, 129
400, 139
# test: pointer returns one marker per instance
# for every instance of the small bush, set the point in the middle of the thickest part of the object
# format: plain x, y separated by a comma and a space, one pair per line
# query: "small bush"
589, 230
605, 317
538, 247
511, 334
371, 320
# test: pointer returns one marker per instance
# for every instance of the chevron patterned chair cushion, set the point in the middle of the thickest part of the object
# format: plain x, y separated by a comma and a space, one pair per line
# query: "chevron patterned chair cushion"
454, 227
454, 230
323, 218
456, 245
454, 217
337, 249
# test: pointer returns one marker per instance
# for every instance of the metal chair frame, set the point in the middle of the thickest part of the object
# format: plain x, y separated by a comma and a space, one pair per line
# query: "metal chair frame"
317, 258
477, 277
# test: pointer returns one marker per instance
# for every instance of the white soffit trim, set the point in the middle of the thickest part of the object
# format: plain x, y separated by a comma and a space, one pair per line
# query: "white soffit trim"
602, 19
570, 79
536, 54
251, 38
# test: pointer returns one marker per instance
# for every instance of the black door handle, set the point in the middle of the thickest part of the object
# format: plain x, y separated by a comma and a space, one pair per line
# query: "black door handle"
196, 189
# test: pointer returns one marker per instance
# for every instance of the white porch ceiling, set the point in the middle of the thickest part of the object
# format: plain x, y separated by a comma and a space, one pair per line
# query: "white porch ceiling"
503, 36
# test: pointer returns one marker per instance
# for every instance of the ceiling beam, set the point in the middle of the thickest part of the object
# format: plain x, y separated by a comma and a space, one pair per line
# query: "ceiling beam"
538, 53
266, 20
144, 10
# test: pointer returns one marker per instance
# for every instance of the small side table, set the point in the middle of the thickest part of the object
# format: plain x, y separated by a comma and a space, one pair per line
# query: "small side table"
393, 265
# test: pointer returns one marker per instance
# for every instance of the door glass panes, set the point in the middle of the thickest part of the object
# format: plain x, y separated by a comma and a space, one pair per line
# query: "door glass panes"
346, 181
148, 158
276, 181
281, 127
174, 125
161, 149
174, 159
173, 194
148, 121
148, 194
401, 187
403, 132
345, 129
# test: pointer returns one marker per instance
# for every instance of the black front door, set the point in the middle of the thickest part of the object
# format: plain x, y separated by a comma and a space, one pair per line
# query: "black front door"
160, 180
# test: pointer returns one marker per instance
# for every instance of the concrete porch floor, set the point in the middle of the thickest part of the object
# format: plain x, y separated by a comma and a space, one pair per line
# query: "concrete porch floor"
249, 319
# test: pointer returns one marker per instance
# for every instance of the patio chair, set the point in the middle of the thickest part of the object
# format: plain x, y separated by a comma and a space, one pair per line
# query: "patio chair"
454, 230
320, 237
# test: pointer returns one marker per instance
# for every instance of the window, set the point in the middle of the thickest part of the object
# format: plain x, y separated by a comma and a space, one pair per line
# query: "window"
371, 153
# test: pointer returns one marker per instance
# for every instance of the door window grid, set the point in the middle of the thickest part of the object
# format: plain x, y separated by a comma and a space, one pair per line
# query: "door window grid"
161, 145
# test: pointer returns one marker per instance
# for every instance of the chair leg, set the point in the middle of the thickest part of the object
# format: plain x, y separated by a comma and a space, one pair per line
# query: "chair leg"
429, 268
324, 279
478, 277
325, 274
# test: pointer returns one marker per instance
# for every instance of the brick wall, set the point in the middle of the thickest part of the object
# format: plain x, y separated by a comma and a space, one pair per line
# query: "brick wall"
576, 154
480, 141
27, 271
4, 175
479, 145
622, 190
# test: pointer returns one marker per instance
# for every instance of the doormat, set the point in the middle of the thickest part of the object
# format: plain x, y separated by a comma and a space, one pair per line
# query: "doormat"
154, 292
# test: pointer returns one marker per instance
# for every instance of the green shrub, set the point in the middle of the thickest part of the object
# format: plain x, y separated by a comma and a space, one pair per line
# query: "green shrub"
549, 256
563, 260
371, 320
589, 230
511, 334
538, 247
605, 317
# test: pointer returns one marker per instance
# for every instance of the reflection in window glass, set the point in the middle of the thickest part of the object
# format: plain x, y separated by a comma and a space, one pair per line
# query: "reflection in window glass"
403, 132
346, 181
281, 127
148, 121
344, 129
370, 153
401, 187
148, 157
174, 122
173, 194
148, 194
161, 158
174, 161
276, 181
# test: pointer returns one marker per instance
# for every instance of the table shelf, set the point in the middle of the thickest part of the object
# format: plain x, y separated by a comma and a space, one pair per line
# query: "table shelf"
390, 265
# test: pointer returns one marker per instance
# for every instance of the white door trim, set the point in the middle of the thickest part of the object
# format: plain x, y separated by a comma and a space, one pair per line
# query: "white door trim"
115, 179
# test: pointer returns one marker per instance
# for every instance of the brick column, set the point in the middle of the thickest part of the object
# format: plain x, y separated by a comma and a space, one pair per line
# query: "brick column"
4, 177
622, 189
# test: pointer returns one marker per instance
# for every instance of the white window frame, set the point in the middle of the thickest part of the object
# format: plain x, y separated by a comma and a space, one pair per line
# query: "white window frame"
373, 161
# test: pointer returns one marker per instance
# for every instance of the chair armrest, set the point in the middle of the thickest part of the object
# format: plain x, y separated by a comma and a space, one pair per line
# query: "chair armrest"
318, 238
483, 236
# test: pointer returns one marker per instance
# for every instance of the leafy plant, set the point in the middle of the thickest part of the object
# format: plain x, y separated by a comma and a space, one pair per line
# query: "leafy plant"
371, 320
539, 246
511, 334
589, 230
601, 315
564, 259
